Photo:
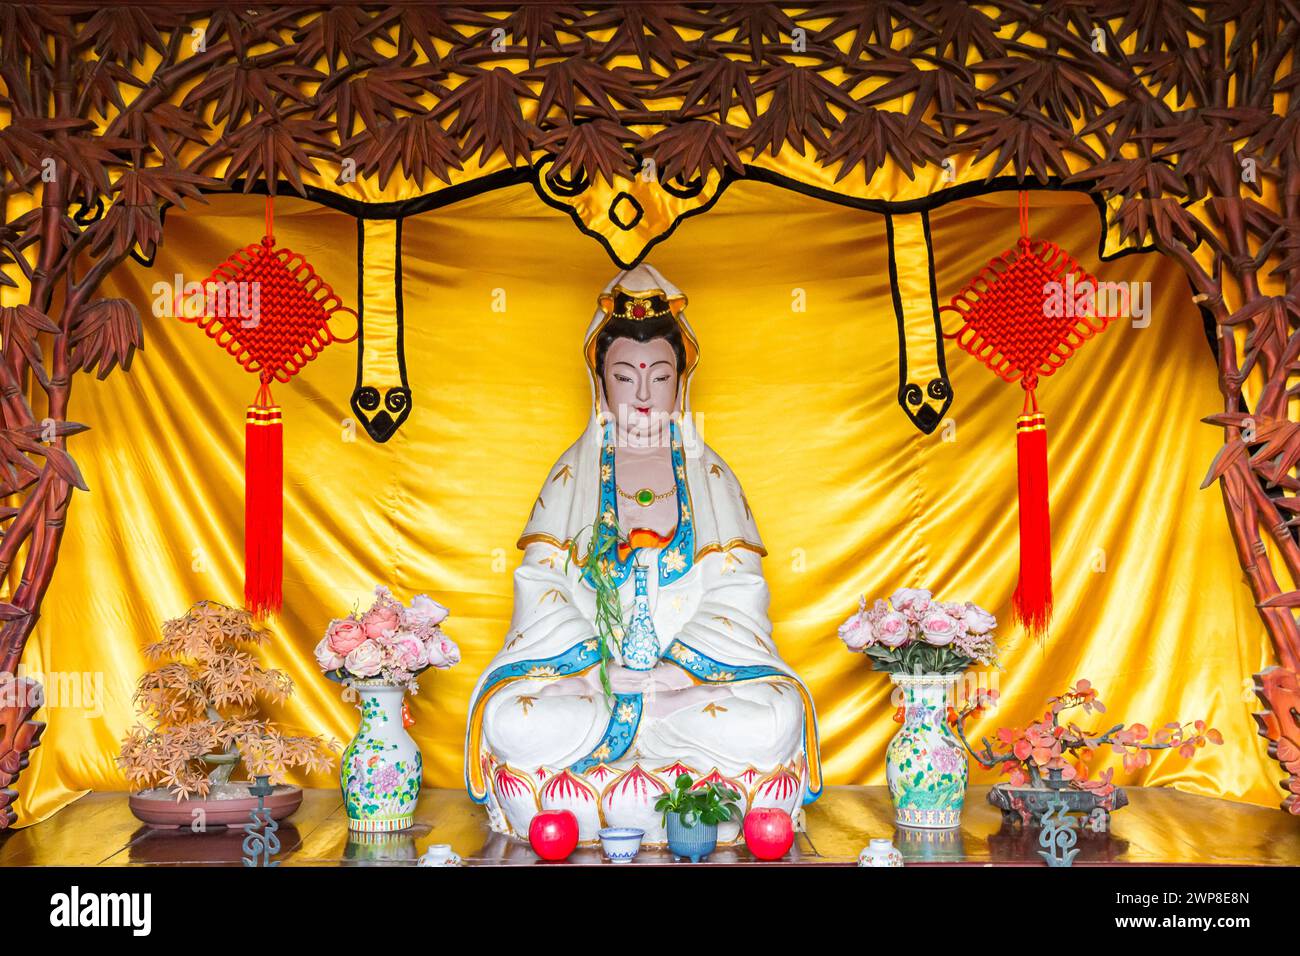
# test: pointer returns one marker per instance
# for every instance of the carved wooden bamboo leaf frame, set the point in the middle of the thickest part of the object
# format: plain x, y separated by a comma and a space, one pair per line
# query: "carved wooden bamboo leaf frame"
111, 111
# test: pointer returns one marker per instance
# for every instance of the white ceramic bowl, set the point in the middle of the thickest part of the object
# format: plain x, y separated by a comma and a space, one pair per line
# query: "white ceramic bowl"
621, 844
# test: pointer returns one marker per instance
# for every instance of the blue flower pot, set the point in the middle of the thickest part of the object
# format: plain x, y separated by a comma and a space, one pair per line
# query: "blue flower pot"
694, 842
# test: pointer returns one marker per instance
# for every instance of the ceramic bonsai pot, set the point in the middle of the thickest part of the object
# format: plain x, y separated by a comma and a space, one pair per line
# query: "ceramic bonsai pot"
1026, 805
227, 805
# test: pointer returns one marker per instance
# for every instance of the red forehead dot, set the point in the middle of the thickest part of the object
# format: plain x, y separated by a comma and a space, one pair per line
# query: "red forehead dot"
643, 364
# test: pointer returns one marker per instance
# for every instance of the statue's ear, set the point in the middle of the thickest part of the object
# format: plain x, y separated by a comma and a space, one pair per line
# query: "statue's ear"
605, 301
676, 304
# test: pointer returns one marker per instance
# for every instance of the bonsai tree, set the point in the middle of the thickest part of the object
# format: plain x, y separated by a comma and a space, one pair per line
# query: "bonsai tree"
1048, 749
711, 804
203, 699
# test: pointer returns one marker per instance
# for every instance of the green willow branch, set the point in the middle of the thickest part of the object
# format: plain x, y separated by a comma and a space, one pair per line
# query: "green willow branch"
609, 606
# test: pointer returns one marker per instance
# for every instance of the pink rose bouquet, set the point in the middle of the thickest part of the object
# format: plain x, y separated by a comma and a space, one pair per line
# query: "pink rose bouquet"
391, 641
914, 633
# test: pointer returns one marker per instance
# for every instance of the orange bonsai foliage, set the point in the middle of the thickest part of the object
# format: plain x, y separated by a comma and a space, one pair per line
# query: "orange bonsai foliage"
1047, 746
203, 699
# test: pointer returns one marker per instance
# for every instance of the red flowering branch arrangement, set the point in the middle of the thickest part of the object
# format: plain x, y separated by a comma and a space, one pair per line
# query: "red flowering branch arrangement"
1047, 748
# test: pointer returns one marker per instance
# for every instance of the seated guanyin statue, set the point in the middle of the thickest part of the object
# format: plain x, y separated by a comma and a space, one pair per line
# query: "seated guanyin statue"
695, 684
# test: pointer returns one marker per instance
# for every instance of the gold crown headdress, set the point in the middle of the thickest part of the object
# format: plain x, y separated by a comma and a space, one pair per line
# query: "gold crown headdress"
639, 306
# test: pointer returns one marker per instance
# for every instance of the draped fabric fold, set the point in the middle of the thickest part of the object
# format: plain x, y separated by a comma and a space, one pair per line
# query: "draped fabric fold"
790, 296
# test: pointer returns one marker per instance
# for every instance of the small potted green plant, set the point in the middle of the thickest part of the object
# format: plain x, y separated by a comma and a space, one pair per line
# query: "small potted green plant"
692, 814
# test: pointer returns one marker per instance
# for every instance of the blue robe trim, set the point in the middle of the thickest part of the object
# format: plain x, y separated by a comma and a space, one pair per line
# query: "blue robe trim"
715, 672
705, 668
618, 735
683, 542
575, 660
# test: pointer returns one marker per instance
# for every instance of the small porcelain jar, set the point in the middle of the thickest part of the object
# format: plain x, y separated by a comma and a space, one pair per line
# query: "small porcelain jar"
621, 844
440, 854
880, 852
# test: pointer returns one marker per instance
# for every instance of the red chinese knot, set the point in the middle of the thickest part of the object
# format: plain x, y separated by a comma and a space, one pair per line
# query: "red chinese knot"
269, 309
1023, 315
1006, 322
294, 308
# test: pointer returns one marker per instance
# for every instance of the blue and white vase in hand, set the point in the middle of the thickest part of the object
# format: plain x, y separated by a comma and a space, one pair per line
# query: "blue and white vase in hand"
640, 644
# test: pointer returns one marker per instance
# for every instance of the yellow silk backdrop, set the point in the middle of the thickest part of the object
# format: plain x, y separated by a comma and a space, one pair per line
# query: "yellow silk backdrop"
849, 496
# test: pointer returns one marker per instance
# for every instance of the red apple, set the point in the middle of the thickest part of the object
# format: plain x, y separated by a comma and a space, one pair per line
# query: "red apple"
769, 832
553, 834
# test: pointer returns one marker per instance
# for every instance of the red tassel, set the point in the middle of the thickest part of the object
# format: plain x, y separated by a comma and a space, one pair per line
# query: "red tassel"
1032, 602
263, 505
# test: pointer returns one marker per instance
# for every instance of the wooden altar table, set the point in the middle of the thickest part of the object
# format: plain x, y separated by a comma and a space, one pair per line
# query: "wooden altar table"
1161, 826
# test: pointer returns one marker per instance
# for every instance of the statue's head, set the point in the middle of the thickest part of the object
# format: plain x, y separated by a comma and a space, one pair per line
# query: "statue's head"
641, 353
639, 364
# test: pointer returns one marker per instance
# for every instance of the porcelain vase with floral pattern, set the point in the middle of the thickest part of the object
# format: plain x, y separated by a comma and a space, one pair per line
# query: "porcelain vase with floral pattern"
924, 763
381, 768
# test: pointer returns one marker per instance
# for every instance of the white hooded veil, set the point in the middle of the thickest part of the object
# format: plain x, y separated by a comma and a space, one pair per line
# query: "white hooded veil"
567, 503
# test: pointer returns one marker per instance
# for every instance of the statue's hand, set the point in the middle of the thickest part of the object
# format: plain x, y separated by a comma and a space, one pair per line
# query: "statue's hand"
663, 677
624, 680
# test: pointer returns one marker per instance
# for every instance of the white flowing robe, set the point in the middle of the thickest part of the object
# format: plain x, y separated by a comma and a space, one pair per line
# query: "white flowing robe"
721, 704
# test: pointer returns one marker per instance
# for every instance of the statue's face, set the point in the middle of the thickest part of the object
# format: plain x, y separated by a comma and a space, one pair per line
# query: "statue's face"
640, 382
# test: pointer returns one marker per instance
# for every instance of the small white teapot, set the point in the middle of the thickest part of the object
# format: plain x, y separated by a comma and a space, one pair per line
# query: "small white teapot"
440, 854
